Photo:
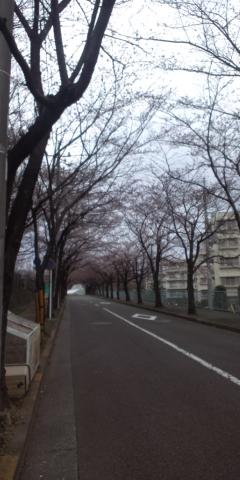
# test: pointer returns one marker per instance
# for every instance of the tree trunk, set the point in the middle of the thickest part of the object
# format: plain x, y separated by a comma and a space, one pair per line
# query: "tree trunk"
56, 291
118, 287
40, 299
157, 292
57, 277
18, 215
111, 289
127, 295
56, 294
190, 290
63, 274
139, 293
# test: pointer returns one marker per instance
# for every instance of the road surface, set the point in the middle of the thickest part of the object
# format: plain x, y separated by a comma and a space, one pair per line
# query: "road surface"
135, 395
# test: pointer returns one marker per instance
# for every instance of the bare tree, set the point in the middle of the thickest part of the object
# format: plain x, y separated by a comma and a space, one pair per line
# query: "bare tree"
140, 270
205, 34
187, 206
42, 31
148, 220
207, 132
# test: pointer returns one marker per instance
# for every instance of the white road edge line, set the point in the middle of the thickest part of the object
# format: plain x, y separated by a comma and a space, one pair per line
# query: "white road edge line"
193, 357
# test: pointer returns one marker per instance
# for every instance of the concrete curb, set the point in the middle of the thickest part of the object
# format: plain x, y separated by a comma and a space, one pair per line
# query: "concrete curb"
10, 465
180, 315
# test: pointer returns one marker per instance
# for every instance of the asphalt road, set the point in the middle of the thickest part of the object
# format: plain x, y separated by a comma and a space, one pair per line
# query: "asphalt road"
146, 399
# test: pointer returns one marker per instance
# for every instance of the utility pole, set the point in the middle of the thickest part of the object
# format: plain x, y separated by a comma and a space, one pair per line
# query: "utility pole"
6, 14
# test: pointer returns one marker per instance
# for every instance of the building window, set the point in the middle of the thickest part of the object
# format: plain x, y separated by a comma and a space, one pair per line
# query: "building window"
229, 262
228, 226
230, 281
228, 242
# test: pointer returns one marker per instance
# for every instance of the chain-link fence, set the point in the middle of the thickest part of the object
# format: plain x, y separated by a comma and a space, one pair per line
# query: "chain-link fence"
218, 300
23, 290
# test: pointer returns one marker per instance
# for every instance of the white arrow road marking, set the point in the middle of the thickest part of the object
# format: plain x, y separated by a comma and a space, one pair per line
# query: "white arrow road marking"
105, 303
144, 316
193, 357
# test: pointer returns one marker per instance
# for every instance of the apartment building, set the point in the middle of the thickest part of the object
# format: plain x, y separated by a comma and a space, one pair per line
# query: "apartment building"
226, 249
174, 282
223, 268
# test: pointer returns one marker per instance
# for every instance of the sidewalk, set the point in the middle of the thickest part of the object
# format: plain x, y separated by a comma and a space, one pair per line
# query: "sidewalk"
51, 449
12, 454
214, 318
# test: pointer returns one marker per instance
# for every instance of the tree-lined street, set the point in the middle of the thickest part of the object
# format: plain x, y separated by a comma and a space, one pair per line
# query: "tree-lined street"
125, 398
120, 174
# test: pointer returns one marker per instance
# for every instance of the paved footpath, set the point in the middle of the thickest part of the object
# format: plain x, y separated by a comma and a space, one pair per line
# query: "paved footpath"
52, 445
136, 395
